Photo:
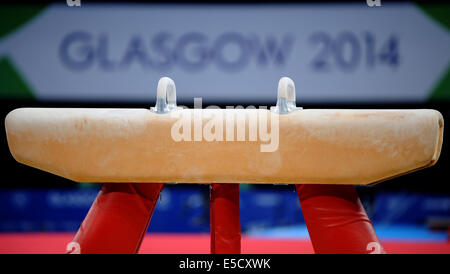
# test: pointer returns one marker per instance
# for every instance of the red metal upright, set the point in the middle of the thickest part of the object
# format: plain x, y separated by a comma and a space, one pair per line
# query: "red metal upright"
336, 220
225, 219
118, 219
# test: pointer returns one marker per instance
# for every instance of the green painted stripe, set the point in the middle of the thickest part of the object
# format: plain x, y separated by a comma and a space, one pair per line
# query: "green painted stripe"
14, 16
439, 12
11, 83
442, 90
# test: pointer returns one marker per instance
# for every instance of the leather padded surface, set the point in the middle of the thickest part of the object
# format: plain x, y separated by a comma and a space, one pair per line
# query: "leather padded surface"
315, 146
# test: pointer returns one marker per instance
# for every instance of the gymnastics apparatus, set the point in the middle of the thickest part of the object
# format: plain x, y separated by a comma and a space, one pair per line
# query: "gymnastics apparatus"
133, 152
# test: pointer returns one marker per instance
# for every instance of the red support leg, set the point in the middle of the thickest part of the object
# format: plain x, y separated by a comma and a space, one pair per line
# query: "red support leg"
225, 219
336, 220
118, 219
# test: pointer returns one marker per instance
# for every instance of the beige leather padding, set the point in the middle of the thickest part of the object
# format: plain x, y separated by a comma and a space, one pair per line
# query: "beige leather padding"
329, 146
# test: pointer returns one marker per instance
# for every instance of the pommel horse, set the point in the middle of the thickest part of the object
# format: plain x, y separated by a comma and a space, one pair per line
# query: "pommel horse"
324, 152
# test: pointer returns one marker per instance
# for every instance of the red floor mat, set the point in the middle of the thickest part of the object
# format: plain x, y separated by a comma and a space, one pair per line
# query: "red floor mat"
196, 243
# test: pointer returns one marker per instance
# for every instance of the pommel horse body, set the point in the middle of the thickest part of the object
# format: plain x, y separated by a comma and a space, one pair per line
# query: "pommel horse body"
135, 151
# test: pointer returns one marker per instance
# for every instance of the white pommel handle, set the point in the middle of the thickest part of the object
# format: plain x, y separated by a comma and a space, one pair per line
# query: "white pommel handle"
166, 95
286, 96
166, 89
286, 89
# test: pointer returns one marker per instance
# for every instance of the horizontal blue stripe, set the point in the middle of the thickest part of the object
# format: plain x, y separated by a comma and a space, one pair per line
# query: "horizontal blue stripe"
384, 232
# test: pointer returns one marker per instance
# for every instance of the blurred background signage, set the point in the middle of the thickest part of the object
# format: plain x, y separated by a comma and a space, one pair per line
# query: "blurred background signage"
348, 53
